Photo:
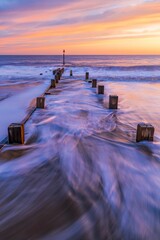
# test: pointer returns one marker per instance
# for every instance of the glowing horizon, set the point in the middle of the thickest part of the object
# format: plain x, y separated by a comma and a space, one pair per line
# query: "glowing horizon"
46, 27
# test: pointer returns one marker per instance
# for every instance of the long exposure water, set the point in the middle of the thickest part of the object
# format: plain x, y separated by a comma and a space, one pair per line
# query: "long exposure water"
80, 174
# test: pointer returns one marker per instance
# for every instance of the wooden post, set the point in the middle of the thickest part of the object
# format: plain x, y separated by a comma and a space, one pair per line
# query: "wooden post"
57, 78
71, 73
100, 89
63, 57
60, 74
40, 102
145, 131
94, 83
53, 83
87, 75
16, 133
113, 102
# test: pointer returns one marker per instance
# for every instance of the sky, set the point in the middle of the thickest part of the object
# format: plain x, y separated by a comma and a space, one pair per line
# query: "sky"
80, 26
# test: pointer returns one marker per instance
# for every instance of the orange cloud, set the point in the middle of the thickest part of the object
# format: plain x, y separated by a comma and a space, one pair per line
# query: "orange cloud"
97, 28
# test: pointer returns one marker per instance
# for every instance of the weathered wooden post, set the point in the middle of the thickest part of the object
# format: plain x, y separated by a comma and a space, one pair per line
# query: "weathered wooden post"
94, 83
100, 89
53, 83
63, 57
60, 73
16, 133
71, 73
113, 101
54, 72
145, 131
87, 75
40, 102
57, 78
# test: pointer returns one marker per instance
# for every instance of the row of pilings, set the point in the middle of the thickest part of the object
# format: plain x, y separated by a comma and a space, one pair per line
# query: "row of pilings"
16, 131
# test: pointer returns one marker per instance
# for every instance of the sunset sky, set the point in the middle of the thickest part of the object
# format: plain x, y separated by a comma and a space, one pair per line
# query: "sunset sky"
80, 27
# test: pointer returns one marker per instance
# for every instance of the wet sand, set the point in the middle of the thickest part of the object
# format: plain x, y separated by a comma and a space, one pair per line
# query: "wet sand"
80, 174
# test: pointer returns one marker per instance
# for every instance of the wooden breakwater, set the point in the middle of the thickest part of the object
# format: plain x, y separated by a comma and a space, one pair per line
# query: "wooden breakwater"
144, 132
16, 131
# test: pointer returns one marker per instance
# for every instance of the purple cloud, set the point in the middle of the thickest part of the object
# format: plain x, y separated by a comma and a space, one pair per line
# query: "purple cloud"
12, 5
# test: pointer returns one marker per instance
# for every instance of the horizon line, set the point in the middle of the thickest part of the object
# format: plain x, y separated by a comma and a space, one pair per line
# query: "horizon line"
80, 54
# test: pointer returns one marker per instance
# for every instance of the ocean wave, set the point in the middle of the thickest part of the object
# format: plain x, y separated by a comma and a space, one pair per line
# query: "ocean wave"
80, 174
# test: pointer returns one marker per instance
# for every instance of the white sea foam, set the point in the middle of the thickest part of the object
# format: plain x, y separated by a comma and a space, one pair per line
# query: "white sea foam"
80, 173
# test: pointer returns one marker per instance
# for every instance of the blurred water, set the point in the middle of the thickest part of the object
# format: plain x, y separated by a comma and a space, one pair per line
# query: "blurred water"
80, 174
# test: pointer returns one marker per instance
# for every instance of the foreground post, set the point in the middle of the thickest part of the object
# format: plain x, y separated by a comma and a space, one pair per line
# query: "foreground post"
113, 102
71, 73
100, 89
145, 131
40, 102
53, 83
87, 75
16, 133
94, 83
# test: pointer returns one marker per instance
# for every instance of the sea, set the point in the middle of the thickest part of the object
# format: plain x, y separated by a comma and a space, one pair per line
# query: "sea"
80, 175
